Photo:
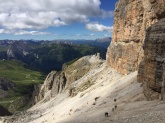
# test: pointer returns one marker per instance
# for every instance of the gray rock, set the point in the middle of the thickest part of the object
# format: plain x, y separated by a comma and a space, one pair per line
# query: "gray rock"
152, 69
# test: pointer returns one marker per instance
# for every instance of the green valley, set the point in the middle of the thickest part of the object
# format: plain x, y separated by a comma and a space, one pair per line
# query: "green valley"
23, 80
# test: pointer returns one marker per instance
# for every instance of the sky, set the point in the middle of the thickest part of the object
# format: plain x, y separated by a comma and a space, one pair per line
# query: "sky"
56, 19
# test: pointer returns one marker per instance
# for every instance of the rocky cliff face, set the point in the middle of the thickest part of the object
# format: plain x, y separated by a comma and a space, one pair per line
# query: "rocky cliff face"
131, 19
41, 89
152, 68
54, 83
58, 82
18, 50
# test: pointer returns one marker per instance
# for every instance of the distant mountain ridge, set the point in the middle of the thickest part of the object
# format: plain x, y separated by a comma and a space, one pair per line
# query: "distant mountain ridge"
18, 50
101, 42
50, 55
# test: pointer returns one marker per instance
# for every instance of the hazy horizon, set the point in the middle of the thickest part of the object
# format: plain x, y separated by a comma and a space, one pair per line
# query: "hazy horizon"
54, 39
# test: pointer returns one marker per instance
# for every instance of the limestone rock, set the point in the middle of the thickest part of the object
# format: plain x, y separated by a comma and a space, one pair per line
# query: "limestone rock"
159, 7
152, 69
36, 96
131, 19
41, 89
58, 82
54, 84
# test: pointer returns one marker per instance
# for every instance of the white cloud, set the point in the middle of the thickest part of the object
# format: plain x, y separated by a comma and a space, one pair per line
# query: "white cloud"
4, 31
22, 32
31, 33
98, 27
84, 34
58, 23
39, 14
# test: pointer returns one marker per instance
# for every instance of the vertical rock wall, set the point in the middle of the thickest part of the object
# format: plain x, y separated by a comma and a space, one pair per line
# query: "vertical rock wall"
152, 69
131, 19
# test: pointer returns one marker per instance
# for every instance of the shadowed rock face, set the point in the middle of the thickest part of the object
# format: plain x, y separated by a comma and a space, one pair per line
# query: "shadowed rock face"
6, 84
41, 89
158, 7
5, 87
152, 69
54, 82
59, 85
131, 19
4, 112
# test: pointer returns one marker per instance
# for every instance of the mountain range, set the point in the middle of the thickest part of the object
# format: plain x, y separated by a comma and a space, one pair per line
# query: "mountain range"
43, 56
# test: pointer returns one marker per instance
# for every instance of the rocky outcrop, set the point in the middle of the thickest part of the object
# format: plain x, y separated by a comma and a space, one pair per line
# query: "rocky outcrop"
152, 68
158, 7
58, 82
131, 19
41, 89
59, 85
54, 83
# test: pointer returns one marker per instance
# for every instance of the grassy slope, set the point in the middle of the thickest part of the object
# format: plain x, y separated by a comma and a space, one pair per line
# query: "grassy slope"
23, 77
19, 73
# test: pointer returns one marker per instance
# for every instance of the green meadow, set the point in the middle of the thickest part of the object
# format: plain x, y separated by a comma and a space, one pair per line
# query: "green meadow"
24, 79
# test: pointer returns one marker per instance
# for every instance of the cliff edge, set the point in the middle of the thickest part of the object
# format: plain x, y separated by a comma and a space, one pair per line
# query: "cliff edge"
131, 19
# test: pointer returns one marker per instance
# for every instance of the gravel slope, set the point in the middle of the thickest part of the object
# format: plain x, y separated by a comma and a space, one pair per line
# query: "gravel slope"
110, 89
